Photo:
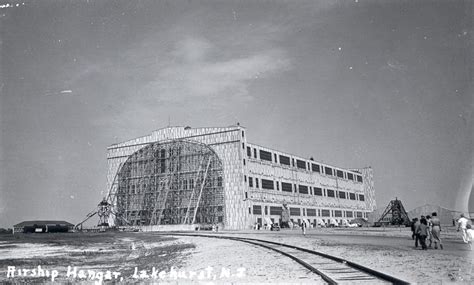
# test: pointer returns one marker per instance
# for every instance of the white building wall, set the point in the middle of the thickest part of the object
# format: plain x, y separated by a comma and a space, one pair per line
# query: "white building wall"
230, 144
258, 168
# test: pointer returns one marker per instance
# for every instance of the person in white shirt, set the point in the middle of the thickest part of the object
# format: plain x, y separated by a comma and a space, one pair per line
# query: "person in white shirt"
470, 235
462, 223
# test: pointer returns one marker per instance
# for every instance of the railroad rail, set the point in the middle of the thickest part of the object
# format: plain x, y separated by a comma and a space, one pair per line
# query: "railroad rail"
332, 269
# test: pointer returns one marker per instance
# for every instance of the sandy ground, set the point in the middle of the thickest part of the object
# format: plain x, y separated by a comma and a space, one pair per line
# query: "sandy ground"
390, 251
258, 265
101, 257
189, 260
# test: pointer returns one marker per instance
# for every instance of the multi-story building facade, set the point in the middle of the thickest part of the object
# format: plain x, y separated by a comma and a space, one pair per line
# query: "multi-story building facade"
183, 175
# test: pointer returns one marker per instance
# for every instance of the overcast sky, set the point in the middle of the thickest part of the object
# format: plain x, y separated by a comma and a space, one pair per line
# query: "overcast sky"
386, 84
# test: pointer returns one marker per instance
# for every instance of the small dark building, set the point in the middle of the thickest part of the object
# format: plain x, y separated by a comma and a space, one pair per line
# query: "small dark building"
43, 227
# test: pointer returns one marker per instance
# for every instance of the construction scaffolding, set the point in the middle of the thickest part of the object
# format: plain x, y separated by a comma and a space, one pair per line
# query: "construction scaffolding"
176, 182
105, 212
394, 214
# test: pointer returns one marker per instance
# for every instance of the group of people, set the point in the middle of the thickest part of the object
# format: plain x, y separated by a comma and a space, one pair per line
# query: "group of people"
427, 228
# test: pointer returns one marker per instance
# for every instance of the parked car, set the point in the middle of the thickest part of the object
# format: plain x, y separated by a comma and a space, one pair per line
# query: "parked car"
361, 222
275, 227
333, 223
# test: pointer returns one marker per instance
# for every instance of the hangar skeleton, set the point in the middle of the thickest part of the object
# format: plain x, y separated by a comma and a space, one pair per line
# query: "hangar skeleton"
175, 182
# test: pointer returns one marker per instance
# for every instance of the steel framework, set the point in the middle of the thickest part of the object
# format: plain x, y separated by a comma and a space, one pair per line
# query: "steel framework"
176, 182
394, 214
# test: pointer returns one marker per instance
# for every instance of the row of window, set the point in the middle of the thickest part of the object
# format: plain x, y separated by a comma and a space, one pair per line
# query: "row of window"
301, 164
153, 162
308, 212
302, 189
137, 186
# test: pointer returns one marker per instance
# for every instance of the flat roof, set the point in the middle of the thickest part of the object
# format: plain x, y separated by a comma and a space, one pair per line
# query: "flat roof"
232, 127
43, 222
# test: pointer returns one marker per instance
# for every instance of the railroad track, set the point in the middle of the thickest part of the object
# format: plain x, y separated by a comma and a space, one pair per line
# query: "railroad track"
332, 269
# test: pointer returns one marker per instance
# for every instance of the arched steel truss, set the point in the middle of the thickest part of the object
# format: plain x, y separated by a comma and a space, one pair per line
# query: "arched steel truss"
175, 182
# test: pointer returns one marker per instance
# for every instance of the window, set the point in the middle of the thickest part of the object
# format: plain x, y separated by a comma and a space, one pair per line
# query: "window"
300, 164
284, 160
219, 181
311, 212
256, 183
350, 176
219, 208
330, 193
278, 185
220, 219
275, 157
338, 213
303, 189
352, 196
293, 162
246, 195
243, 135
318, 191
267, 184
325, 213
359, 178
265, 155
315, 167
257, 209
340, 173
244, 161
250, 181
359, 214
255, 152
286, 187
295, 212
162, 161
249, 151
361, 197
243, 146
342, 194
275, 210
349, 214
328, 170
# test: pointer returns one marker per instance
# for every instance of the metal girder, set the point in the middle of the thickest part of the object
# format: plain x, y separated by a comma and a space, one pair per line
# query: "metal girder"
200, 191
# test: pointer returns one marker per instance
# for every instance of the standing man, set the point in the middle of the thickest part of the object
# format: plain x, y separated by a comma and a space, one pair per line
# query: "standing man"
462, 223
413, 221
430, 227
422, 231
470, 235
436, 230
303, 227
417, 236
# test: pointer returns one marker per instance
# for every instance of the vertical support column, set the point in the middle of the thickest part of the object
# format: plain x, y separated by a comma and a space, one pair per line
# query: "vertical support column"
186, 218
202, 186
